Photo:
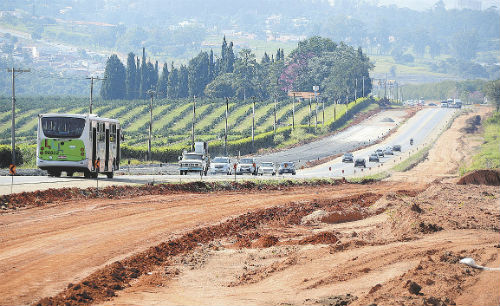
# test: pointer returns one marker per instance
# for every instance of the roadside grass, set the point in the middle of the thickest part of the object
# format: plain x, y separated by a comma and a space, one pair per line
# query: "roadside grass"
413, 160
488, 156
369, 178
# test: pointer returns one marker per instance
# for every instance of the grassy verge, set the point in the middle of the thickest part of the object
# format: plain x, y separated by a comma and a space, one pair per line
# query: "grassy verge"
369, 178
488, 156
413, 160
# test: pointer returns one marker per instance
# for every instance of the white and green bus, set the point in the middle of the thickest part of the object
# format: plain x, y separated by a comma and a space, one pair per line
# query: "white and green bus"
78, 143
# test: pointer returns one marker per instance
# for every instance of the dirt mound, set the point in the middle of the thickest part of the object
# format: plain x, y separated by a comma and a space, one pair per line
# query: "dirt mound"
344, 216
321, 238
265, 241
481, 177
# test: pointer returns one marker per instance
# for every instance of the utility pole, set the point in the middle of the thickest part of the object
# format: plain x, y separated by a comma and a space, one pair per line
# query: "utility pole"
225, 130
363, 86
13, 126
323, 100
253, 124
355, 90
92, 78
293, 112
274, 126
192, 125
151, 94
309, 117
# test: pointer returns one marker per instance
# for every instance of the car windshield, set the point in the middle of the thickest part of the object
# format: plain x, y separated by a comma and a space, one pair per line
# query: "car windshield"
221, 160
192, 156
63, 127
348, 154
267, 164
287, 164
246, 161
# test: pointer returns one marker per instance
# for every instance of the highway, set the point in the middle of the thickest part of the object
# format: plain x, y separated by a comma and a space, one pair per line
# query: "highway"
424, 127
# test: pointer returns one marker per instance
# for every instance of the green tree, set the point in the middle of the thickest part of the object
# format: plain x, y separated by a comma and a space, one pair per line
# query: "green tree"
173, 83
221, 86
163, 82
113, 86
130, 80
492, 90
199, 74
244, 72
183, 82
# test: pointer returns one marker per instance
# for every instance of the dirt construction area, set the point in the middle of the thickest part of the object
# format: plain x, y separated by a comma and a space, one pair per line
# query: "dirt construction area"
393, 242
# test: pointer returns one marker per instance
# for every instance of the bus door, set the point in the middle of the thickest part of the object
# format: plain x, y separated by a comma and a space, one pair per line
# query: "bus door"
106, 154
94, 144
118, 139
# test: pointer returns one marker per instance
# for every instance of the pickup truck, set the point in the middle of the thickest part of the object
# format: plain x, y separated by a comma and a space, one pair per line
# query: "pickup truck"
197, 161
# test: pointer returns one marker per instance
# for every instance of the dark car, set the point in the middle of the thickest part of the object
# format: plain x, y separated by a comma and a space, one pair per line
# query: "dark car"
374, 158
360, 162
287, 167
348, 158
380, 152
396, 148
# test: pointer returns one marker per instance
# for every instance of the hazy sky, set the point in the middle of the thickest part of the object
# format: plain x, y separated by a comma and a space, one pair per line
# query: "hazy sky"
425, 4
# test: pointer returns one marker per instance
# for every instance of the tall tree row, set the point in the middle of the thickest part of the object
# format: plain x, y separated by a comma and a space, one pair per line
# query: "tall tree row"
339, 70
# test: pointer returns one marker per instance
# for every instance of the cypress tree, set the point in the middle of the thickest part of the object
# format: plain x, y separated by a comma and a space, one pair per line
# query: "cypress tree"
183, 82
137, 78
282, 55
113, 86
130, 77
223, 55
144, 76
173, 83
211, 67
230, 58
163, 82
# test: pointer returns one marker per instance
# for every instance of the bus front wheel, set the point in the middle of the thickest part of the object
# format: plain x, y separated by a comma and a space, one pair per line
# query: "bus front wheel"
54, 173
110, 174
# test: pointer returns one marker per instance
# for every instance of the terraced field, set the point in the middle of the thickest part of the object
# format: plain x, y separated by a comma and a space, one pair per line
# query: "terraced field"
171, 119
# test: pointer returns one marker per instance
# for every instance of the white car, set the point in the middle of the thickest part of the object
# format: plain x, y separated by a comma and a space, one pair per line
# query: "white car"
221, 165
247, 165
266, 168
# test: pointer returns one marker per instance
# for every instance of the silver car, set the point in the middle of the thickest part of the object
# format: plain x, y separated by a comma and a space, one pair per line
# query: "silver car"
267, 168
221, 165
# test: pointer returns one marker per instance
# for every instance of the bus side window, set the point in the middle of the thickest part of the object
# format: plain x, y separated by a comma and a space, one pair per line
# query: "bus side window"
112, 134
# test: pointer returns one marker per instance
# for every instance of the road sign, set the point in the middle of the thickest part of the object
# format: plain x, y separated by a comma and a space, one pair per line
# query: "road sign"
12, 169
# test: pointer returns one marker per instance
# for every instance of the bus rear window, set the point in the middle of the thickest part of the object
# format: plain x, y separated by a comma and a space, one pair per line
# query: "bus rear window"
62, 127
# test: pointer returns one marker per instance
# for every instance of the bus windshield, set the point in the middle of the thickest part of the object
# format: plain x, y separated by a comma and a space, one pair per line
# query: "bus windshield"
63, 127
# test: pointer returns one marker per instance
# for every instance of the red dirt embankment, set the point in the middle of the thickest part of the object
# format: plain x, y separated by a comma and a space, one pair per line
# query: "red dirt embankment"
489, 177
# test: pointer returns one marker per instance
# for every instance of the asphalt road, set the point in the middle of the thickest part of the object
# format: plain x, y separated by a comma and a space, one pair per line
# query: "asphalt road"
422, 127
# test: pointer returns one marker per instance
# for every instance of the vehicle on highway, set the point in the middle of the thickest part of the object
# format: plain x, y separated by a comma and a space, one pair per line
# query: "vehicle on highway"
411, 141
396, 148
78, 143
348, 158
266, 168
287, 167
247, 165
221, 165
388, 151
360, 162
197, 161
374, 158
380, 152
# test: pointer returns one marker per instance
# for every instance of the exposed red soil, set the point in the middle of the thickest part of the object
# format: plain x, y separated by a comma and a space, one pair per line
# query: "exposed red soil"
103, 283
489, 177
